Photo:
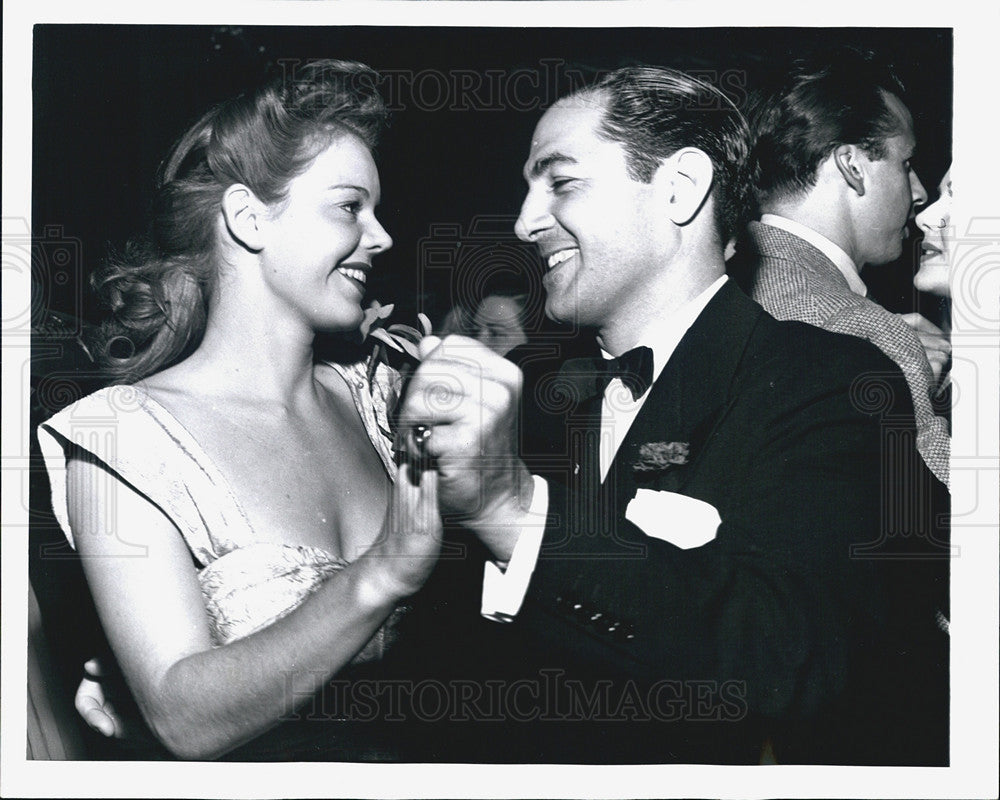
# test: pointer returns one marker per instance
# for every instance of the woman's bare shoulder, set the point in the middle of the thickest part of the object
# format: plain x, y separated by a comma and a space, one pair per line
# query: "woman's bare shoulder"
175, 380
188, 388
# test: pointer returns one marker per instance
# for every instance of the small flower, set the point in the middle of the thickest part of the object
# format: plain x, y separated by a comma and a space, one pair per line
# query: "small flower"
404, 339
373, 313
658, 456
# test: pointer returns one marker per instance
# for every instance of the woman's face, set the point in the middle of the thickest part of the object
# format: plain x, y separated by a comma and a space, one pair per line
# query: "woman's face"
323, 236
935, 221
497, 323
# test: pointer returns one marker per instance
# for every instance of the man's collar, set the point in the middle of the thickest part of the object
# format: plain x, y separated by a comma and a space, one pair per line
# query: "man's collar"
843, 262
662, 334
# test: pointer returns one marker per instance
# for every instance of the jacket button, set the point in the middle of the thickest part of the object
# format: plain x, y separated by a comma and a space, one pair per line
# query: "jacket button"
624, 633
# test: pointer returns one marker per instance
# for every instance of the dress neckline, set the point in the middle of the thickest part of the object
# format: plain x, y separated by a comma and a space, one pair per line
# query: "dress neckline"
166, 419
169, 422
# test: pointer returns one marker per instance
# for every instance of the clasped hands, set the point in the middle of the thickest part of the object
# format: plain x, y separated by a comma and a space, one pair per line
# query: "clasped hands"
459, 413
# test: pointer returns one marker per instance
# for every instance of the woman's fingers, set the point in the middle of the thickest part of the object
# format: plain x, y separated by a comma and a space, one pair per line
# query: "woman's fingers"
96, 710
412, 531
416, 505
430, 517
94, 668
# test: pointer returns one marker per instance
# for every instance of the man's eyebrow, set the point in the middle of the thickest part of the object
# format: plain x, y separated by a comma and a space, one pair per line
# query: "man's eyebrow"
542, 165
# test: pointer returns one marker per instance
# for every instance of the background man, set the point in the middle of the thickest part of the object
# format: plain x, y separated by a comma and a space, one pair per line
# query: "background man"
832, 173
695, 564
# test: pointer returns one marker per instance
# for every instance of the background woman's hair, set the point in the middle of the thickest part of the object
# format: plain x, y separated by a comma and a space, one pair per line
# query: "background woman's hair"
158, 288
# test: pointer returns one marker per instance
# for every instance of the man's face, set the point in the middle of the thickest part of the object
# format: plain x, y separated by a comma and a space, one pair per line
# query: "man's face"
602, 236
892, 189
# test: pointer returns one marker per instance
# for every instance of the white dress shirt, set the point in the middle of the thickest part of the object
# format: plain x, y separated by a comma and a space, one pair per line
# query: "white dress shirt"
504, 589
834, 252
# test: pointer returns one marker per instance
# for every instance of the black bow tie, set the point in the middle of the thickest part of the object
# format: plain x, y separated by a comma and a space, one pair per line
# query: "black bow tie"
635, 368
591, 376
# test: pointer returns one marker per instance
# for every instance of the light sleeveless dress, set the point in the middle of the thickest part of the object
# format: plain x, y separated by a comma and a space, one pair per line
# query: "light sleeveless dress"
246, 583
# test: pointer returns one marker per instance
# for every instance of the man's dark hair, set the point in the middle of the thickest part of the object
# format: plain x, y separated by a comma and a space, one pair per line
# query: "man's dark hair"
821, 103
654, 111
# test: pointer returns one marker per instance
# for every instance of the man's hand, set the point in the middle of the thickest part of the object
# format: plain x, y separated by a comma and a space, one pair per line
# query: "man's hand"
934, 340
467, 396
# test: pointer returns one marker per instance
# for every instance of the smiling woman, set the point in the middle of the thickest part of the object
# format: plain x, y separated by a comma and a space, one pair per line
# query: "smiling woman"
258, 486
324, 235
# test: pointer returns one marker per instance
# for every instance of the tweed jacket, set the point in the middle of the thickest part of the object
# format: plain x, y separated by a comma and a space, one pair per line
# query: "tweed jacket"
794, 280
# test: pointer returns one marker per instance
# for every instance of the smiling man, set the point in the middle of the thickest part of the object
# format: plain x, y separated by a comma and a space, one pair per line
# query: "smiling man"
834, 182
671, 526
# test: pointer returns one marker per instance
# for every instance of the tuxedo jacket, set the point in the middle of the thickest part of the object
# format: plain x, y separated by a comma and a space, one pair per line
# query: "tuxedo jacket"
803, 614
791, 279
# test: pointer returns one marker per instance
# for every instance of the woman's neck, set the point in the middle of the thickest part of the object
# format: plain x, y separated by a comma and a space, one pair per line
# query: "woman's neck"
256, 348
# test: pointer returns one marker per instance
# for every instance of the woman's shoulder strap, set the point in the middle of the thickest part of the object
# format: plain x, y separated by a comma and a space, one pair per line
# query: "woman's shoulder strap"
145, 447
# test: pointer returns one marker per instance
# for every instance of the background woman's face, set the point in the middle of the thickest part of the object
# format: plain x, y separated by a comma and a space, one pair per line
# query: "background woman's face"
935, 253
497, 323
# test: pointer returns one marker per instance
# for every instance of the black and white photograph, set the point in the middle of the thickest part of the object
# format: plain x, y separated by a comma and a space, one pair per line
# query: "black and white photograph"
523, 399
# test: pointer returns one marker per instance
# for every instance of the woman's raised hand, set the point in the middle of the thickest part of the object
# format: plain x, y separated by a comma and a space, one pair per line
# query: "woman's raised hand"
408, 546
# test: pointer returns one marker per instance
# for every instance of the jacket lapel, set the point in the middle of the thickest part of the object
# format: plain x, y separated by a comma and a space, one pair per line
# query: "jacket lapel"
692, 393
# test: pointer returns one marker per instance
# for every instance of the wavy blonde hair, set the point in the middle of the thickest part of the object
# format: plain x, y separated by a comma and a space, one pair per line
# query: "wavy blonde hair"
158, 287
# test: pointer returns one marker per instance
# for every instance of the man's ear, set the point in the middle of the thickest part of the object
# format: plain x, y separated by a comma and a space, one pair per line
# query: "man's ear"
690, 175
847, 157
245, 216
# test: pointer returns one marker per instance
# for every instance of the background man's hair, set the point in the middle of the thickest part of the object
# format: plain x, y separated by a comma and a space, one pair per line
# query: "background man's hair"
654, 111
829, 99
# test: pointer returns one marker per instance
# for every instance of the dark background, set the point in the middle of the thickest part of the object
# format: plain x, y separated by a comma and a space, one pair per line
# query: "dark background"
110, 99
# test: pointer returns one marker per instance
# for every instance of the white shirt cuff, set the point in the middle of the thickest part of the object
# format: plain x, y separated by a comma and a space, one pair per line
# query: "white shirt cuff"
504, 589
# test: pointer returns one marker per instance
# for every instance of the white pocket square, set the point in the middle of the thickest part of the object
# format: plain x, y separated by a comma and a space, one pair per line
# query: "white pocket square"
676, 518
